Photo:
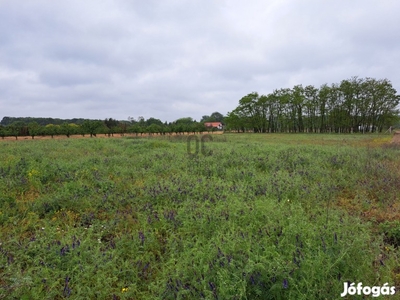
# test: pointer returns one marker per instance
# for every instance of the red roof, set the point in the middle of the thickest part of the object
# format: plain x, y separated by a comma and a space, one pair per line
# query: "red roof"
212, 124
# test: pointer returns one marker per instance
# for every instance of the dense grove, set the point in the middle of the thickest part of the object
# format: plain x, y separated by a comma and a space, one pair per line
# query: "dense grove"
353, 105
249, 217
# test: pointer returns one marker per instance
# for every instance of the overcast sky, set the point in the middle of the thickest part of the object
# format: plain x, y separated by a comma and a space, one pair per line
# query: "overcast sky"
183, 58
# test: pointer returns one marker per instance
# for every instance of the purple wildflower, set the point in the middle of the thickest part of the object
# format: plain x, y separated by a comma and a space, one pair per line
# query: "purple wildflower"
285, 283
141, 237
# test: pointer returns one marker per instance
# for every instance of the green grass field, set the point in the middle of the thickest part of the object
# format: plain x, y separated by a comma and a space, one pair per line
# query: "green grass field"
255, 216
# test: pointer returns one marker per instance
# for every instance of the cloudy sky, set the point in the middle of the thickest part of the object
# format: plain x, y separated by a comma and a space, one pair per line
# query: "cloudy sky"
183, 58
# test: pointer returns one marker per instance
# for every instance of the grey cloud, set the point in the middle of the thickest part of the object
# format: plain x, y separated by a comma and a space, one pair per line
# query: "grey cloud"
176, 58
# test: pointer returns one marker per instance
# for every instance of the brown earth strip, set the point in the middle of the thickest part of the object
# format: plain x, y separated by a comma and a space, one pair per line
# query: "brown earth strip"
102, 135
396, 138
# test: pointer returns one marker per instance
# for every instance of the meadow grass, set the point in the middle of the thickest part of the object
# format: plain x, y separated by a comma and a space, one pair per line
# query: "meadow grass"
256, 216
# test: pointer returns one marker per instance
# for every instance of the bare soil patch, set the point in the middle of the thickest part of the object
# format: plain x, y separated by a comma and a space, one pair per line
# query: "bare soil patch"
396, 138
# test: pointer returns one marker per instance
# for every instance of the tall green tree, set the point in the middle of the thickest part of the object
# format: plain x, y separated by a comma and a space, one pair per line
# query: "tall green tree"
52, 130
311, 107
111, 125
18, 128
4, 131
92, 127
69, 129
34, 129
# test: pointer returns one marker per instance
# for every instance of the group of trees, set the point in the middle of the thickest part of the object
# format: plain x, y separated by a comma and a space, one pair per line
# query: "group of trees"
41, 121
354, 105
155, 126
108, 126
19, 128
214, 117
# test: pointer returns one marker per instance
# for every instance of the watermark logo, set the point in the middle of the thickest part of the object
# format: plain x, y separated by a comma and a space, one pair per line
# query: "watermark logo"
205, 138
375, 291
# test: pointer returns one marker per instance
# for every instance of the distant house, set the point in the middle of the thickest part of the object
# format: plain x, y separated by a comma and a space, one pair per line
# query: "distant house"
217, 125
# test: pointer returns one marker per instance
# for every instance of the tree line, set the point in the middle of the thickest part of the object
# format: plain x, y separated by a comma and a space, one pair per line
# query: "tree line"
31, 127
41, 121
353, 105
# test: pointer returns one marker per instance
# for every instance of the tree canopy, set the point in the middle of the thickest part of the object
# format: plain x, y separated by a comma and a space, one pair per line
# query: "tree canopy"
214, 117
353, 105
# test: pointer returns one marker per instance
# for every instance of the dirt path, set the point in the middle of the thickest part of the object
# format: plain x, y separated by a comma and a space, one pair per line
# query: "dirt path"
396, 138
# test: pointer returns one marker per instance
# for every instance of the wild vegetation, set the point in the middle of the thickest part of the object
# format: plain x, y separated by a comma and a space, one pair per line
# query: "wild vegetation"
248, 217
